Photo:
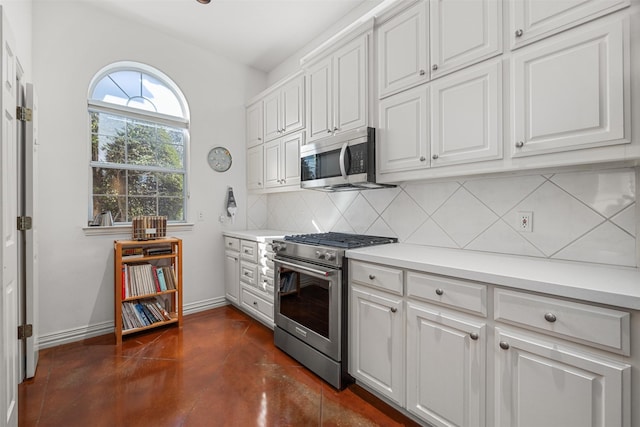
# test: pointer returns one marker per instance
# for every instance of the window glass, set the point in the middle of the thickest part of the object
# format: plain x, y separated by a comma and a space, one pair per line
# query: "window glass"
138, 159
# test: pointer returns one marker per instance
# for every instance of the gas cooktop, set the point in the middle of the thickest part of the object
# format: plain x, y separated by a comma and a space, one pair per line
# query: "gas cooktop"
340, 240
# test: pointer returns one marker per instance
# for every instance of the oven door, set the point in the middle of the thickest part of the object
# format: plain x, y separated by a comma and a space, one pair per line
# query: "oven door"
308, 304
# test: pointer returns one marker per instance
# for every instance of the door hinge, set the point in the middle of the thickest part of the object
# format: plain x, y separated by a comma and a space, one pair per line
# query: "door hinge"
25, 331
24, 223
24, 114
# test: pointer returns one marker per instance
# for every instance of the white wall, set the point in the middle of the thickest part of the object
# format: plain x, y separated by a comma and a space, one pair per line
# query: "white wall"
72, 41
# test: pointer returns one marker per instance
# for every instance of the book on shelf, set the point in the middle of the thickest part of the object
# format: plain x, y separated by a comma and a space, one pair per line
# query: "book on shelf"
144, 312
163, 283
160, 250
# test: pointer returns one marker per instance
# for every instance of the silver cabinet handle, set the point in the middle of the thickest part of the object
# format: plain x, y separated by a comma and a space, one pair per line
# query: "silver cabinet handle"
504, 345
519, 32
550, 317
393, 309
230, 243
284, 130
435, 157
371, 277
259, 139
474, 336
259, 184
439, 291
434, 67
255, 303
423, 158
335, 129
422, 72
519, 144
328, 130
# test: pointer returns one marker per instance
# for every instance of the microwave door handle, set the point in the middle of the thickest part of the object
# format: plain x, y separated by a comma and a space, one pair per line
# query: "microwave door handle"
343, 167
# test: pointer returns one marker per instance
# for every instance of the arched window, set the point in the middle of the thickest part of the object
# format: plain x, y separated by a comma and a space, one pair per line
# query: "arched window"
139, 138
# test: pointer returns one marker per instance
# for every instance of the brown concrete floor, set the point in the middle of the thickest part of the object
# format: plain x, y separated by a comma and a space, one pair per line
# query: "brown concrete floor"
220, 369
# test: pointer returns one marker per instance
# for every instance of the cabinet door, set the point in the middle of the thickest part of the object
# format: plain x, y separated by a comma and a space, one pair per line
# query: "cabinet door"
540, 383
463, 33
568, 92
290, 168
272, 164
319, 100
255, 160
254, 124
292, 105
403, 137
350, 86
376, 341
446, 366
402, 50
535, 19
467, 115
272, 122
231, 276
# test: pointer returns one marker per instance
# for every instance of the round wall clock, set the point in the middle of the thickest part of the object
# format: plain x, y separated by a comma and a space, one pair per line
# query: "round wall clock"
219, 159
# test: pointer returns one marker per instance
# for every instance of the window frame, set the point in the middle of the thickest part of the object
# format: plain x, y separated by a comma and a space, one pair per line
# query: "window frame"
94, 105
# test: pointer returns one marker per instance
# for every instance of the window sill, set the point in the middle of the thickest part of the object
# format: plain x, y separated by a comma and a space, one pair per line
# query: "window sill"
125, 230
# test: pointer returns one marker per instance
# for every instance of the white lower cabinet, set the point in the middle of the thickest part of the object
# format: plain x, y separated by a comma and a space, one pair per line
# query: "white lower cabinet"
543, 382
232, 269
376, 343
446, 366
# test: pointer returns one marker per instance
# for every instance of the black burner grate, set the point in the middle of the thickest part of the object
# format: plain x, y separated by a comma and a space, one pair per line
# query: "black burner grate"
340, 240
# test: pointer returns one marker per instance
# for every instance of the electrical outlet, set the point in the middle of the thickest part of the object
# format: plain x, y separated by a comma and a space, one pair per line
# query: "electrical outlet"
201, 216
525, 222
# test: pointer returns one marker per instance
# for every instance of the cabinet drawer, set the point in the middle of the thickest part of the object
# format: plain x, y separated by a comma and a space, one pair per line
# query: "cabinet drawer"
458, 294
578, 322
254, 302
232, 243
266, 284
248, 273
249, 250
386, 278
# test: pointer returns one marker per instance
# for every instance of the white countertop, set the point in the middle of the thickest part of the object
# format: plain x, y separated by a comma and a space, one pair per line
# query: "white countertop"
617, 286
257, 235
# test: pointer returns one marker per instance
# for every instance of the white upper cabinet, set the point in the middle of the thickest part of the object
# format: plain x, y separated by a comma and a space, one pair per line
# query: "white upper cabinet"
254, 124
402, 142
569, 92
532, 20
466, 109
337, 90
463, 33
403, 52
433, 38
284, 109
282, 161
255, 165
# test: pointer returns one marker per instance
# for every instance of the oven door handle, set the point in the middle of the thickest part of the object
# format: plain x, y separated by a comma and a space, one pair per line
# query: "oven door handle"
343, 167
322, 273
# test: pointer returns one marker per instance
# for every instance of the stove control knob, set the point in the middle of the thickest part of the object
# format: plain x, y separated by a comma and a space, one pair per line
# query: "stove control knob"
330, 256
320, 255
277, 247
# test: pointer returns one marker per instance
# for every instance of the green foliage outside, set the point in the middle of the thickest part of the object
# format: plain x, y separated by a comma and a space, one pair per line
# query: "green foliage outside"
117, 140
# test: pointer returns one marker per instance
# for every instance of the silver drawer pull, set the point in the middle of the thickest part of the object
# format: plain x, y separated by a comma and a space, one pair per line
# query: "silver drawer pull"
504, 345
394, 309
440, 291
474, 336
371, 277
550, 317
519, 33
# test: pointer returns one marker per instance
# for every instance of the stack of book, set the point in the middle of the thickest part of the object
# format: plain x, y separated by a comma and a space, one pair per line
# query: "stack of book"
145, 312
146, 279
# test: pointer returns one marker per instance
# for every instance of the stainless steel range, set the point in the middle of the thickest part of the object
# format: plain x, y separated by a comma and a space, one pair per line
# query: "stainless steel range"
311, 300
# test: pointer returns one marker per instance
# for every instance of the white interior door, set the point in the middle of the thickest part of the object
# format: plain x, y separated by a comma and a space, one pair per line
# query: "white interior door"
31, 236
9, 245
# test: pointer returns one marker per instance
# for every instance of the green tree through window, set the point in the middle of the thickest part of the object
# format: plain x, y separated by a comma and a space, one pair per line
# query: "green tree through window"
137, 158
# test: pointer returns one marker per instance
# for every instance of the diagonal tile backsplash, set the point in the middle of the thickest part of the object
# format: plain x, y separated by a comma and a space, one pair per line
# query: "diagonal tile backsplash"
578, 216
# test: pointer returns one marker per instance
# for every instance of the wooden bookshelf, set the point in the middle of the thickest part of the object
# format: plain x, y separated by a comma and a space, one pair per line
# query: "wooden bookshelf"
143, 300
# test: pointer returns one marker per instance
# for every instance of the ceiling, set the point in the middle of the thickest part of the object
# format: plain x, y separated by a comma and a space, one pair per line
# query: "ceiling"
258, 33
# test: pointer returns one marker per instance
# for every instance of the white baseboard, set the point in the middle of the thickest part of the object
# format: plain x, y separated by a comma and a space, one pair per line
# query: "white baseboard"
78, 334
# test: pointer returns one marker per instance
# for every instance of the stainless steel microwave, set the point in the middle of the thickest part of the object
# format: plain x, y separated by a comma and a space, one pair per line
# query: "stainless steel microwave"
342, 162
